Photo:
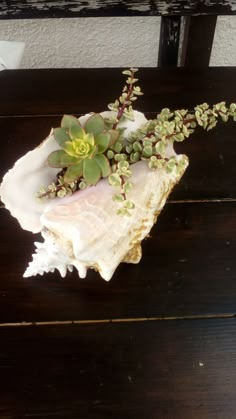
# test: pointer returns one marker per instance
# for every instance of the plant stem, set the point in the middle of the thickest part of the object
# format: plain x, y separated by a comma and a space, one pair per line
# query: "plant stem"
123, 106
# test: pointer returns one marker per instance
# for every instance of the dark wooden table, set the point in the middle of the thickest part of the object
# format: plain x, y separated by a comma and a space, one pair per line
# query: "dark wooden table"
159, 340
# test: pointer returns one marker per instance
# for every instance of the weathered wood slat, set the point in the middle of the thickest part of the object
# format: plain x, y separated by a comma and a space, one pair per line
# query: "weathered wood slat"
188, 268
173, 369
14, 9
196, 52
59, 91
169, 41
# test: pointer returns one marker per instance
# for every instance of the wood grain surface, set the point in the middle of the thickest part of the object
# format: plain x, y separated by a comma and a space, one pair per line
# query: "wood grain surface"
188, 268
170, 369
75, 91
158, 340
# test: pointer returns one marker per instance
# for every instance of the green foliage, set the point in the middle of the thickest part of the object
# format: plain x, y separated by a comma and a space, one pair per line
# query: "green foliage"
104, 164
95, 124
110, 154
61, 136
91, 171
59, 189
74, 172
123, 105
101, 148
156, 163
121, 172
82, 149
69, 120
61, 159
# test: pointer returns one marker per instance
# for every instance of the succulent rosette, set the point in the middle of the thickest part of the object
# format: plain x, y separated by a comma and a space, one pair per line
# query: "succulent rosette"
82, 149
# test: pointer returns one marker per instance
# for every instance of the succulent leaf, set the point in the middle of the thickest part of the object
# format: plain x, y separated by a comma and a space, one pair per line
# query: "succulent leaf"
117, 147
60, 136
60, 158
110, 154
114, 135
118, 198
147, 151
127, 72
102, 142
123, 166
91, 171
76, 131
104, 164
95, 124
69, 120
127, 187
82, 185
115, 179
120, 157
69, 149
74, 172
89, 138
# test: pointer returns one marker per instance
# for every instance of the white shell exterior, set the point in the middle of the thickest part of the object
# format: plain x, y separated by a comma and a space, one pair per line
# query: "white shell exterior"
84, 230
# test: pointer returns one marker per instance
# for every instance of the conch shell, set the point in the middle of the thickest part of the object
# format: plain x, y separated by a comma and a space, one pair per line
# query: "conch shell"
83, 230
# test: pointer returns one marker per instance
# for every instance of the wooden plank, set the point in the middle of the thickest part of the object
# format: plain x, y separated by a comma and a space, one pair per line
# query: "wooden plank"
188, 268
176, 369
59, 91
169, 41
31, 9
195, 51
211, 173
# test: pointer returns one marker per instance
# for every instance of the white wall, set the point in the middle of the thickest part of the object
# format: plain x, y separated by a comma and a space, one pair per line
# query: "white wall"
86, 42
224, 46
104, 42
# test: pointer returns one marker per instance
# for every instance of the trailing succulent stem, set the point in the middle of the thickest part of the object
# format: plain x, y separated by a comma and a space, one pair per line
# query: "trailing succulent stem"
100, 149
130, 92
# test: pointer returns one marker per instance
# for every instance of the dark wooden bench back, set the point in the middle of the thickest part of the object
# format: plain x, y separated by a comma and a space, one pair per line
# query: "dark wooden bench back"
198, 23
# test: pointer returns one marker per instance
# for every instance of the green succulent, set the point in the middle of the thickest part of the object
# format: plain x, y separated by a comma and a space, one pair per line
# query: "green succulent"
100, 148
82, 149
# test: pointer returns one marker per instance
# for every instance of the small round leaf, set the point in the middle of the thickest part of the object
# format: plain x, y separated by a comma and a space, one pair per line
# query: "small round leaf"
115, 179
